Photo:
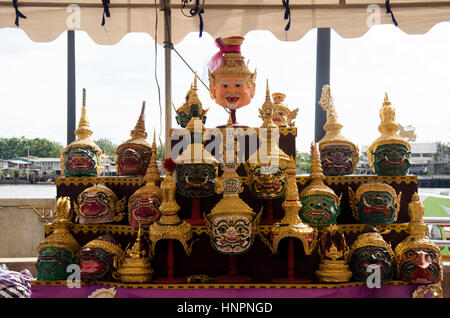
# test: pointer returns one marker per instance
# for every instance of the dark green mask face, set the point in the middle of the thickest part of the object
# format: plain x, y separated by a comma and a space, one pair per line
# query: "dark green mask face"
391, 160
183, 118
319, 210
376, 207
80, 162
195, 180
371, 255
52, 263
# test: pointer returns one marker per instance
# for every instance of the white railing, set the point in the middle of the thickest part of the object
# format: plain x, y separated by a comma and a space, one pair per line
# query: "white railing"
431, 220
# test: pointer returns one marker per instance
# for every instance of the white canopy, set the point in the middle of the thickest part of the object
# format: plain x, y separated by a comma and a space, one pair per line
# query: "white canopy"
46, 20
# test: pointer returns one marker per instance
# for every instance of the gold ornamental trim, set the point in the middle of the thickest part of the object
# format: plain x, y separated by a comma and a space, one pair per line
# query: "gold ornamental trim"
301, 179
87, 181
201, 229
218, 286
362, 179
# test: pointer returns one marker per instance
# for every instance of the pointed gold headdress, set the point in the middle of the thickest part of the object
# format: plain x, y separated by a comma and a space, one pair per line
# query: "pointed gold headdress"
333, 127
317, 185
84, 138
170, 226
388, 129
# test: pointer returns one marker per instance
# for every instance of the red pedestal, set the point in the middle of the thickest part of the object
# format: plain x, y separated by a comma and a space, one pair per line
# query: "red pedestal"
170, 279
196, 218
291, 269
267, 218
232, 277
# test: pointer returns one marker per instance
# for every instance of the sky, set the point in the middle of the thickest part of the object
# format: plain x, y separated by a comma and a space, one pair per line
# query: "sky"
413, 69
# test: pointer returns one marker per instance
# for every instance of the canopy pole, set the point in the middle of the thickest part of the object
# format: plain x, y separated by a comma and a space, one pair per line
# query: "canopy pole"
322, 78
71, 87
168, 74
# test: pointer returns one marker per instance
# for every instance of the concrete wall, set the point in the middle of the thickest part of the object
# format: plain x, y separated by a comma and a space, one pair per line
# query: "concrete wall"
21, 229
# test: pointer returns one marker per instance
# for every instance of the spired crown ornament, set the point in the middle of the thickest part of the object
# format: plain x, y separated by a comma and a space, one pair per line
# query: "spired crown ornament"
192, 107
338, 155
291, 225
283, 116
170, 226
195, 165
134, 266
133, 156
82, 157
143, 205
59, 249
231, 224
419, 259
333, 251
266, 167
389, 154
320, 205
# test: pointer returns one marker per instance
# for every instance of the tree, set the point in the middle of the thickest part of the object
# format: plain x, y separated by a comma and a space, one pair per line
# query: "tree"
303, 163
107, 146
20, 147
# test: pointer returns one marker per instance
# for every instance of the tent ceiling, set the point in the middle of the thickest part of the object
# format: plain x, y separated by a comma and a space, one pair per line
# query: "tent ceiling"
46, 20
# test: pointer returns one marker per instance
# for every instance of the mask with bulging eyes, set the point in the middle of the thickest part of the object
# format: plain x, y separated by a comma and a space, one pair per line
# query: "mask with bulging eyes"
80, 162
420, 266
375, 203
196, 180
337, 160
319, 210
232, 234
52, 263
143, 210
364, 260
391, 160
267, 181
132, 161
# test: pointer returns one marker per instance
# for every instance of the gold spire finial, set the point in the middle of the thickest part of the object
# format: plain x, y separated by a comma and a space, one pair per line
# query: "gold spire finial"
317, 185
416, 211
152, 175
83, 131
267, 110
139, 129
388, 129
333, 127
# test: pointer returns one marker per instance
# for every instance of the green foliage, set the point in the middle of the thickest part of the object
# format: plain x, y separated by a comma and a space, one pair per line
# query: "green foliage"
303, 163
20, 147
107, 146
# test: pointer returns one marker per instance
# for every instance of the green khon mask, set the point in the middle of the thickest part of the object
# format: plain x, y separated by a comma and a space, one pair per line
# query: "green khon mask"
52, 263
319, 210
391, 160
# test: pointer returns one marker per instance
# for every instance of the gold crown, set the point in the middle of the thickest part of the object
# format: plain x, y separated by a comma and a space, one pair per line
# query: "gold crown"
388, 129
317, 185
107, 246
138, 134
233, 64
60, 238
83, 138
333, 127
370, 239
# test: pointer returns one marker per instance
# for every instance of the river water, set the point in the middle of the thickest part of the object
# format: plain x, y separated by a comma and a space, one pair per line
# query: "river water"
49, 191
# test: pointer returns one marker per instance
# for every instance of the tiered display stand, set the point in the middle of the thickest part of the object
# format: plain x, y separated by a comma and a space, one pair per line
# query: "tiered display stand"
259, 263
